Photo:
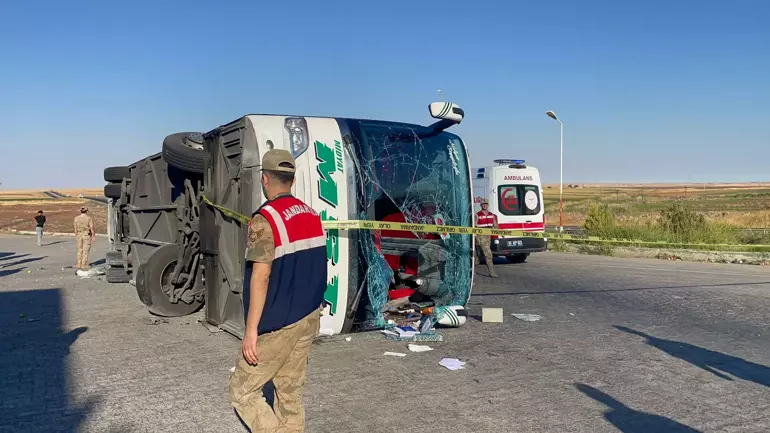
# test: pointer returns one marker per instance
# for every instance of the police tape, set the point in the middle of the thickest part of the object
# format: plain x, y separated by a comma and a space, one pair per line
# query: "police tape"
483, 231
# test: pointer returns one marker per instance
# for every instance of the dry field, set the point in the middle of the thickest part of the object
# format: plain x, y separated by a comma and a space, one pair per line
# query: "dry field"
744, 205
18, 209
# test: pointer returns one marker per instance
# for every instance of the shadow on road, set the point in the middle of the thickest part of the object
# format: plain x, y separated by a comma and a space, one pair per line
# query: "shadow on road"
53, 243
11, 256
22, 261
7, 272
629, 420
716, 363
34, 353
632, 289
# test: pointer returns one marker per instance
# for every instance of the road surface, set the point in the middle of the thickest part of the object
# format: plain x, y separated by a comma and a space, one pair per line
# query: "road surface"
625, 345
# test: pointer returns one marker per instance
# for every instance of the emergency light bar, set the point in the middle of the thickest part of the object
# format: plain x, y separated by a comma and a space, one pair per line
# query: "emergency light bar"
509, 161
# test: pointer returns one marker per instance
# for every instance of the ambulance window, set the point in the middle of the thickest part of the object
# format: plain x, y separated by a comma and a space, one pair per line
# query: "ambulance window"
518, 200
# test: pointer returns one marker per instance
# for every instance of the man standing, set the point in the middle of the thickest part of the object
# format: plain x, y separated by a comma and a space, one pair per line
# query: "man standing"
485, 218
284, 284
40, 220
84, 236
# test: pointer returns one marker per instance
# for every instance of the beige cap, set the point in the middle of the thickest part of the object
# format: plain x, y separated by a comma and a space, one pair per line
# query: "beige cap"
273, 159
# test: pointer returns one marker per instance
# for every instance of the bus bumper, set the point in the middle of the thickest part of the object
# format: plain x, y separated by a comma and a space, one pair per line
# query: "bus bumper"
513, 246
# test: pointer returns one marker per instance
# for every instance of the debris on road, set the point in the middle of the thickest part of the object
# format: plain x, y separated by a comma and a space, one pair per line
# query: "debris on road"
91, 272
419, 348
452, 364
394, 354
492, 315
348, 338
156, 321
527, 317
232, 369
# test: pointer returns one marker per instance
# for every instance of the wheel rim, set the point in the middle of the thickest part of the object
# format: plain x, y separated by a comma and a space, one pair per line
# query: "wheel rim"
165, 280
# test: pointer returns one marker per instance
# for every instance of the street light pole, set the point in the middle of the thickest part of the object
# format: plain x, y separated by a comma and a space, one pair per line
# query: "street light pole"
552, 115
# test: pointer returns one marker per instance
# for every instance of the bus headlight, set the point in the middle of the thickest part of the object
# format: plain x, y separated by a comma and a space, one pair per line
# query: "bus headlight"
298, 135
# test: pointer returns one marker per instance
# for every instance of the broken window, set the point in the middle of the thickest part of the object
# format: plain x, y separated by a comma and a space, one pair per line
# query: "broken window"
411, 174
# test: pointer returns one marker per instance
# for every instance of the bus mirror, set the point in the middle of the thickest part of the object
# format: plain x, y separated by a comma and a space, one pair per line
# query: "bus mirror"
446, 111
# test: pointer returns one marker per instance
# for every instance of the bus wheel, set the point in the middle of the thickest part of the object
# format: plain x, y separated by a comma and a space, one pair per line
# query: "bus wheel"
517, 258
153, 285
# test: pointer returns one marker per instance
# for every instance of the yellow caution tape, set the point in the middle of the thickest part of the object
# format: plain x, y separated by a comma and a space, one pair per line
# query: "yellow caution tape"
243, 219
442, 229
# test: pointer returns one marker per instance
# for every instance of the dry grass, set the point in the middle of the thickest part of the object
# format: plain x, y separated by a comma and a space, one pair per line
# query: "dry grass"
741, 205
18, 209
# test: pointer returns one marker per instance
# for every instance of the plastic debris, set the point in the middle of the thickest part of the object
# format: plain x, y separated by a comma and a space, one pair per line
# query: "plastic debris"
91, 272
232, 369
492, 315
419, 348
394, 354
452, 364
348, 338
527, 317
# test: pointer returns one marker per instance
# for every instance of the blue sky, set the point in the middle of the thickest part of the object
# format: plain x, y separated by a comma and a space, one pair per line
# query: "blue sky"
648, 91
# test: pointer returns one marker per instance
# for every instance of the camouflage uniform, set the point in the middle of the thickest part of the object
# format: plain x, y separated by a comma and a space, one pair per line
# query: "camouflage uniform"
83, 238
283, 358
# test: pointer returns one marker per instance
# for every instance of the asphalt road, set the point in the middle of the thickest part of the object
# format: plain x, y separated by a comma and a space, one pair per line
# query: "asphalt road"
624, 345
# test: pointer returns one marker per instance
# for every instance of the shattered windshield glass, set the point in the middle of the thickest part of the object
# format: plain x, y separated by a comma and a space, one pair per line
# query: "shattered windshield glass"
411, 174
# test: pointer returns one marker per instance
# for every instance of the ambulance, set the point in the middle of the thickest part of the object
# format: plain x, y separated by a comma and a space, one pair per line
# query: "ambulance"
515, 196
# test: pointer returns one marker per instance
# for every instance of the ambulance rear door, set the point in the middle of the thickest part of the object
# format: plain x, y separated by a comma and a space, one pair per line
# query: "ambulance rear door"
516, 197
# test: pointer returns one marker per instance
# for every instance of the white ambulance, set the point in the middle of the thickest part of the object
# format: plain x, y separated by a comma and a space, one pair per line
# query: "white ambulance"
515, 195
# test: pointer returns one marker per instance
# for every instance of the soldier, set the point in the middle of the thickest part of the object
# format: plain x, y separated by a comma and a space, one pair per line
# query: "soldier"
284, 284
485, 218
84, 236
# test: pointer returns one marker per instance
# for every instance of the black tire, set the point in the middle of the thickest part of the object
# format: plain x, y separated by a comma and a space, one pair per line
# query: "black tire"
114, 258
184, 150
112, 190
117, 274
116, 174
149, 280
517, 258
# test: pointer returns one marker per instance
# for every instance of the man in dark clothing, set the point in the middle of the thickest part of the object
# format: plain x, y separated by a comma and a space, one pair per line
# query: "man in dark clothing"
40, 220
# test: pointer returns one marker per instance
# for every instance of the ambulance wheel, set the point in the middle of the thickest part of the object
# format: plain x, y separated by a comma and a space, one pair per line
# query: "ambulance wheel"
517, 258
152, 284
184, 150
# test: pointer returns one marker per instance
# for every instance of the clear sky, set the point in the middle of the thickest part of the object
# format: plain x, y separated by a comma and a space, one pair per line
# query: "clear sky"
674, 90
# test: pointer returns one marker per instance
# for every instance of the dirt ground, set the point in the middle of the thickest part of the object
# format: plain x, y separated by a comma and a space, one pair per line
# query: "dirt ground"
59, 215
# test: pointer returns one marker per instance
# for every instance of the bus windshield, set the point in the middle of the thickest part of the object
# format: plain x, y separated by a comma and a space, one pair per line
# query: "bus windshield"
411, 173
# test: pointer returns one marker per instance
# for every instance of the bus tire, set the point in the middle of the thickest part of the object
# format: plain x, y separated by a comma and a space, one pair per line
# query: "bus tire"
184, 150
151, 283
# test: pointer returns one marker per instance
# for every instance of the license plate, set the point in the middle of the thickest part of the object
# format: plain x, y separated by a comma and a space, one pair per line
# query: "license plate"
514, 243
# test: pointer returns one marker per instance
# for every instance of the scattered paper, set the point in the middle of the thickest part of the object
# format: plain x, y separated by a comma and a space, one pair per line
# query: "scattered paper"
571, 314
405, 331
419, 348
527, 317
452, 363
232, 369
394, 354
348, 338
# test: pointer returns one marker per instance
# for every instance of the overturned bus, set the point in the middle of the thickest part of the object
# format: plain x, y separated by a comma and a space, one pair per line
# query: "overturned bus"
178, 234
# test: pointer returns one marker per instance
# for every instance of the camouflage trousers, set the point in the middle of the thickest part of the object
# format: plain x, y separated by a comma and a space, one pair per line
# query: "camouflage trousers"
284, 358
484, 243
84, 246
